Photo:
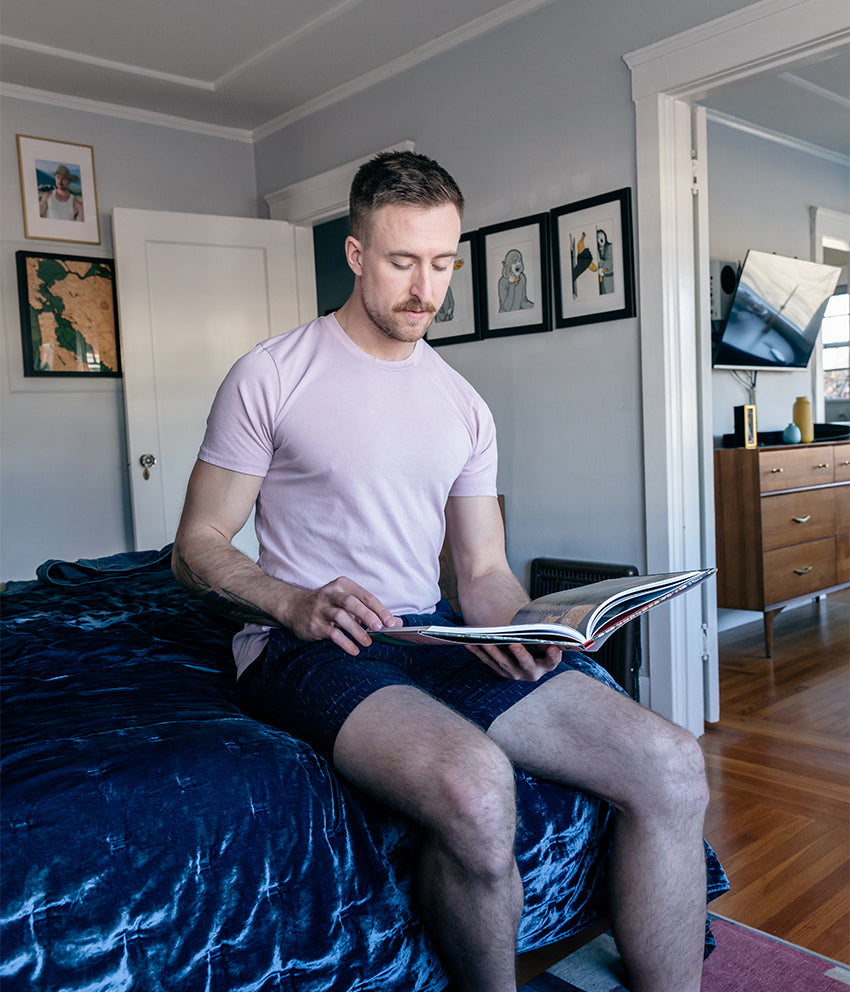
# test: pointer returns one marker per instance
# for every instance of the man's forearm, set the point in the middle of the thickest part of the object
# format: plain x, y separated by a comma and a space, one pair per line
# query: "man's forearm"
492, 599
229, 582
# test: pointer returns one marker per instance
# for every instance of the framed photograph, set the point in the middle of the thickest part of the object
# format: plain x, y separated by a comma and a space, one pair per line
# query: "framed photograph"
459, 318
514, 267
58, 190
593, 259
69, 323
746, 432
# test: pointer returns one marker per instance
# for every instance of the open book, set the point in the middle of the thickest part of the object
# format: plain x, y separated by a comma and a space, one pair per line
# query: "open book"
579, 619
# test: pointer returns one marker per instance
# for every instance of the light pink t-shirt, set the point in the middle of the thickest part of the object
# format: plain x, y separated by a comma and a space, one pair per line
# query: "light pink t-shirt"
358, 457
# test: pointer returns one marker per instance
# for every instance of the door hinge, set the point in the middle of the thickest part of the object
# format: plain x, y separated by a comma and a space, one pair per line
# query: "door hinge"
694, 173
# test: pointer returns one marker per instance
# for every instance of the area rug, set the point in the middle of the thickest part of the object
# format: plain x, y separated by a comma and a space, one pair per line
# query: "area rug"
745, 960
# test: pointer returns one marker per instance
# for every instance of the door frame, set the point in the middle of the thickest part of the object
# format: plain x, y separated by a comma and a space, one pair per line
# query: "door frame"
666, 78
313, 201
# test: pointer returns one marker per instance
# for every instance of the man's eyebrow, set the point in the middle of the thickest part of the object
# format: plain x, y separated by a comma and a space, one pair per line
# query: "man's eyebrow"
401, 253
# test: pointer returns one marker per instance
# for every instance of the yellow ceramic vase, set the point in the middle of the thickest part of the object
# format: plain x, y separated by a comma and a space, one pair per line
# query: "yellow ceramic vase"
803, 419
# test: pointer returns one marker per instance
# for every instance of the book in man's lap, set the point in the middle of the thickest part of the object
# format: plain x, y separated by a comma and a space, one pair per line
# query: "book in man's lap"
573, 619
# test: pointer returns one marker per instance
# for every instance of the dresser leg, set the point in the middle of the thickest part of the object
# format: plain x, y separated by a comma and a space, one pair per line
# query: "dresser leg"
768, 631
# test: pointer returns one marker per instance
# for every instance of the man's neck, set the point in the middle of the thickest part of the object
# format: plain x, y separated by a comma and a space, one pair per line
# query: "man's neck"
368, 337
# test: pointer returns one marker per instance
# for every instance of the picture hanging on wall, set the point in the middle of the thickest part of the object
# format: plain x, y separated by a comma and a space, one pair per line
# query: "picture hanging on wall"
593, 259
459, 319
58, 190
69, 324
514, 269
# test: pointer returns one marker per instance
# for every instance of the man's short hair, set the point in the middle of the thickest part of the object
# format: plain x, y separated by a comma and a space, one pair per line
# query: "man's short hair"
398, 177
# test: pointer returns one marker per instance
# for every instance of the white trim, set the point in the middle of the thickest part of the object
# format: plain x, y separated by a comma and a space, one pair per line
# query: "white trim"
826, 226
286, 41
124, 113
797, 144
740, 45
321, 197
445, 43
127, 69
665, 76
819, 91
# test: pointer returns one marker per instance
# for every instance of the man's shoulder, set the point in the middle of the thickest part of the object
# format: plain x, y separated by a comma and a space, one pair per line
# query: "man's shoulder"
453, 380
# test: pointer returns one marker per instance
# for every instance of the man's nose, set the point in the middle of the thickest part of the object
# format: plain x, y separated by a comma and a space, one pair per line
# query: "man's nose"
421, 286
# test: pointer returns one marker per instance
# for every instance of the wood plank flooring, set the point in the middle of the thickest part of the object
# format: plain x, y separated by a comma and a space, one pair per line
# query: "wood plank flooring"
779, 770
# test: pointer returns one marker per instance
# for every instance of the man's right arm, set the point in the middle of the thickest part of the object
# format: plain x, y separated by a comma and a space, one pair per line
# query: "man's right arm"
204, 560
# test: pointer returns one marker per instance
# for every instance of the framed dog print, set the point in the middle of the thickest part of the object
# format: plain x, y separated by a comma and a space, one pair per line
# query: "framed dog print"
58, 190
459, 318
593, 259
514, 266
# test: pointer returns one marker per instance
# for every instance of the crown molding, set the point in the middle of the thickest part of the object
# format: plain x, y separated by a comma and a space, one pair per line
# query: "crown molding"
133, 114
445, 43
797, 144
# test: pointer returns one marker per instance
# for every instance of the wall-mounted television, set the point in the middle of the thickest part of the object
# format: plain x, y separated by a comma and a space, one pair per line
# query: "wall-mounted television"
776, 312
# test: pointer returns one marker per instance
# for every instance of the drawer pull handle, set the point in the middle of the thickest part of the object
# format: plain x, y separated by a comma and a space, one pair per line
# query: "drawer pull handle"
803, 571
775, 470
803, 520
823, 464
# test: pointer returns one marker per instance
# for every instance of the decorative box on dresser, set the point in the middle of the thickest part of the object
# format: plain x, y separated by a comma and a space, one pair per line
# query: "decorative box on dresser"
782, 524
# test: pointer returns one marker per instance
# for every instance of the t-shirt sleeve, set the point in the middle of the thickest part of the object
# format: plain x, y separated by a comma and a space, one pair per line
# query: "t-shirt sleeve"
478, 477
240, 426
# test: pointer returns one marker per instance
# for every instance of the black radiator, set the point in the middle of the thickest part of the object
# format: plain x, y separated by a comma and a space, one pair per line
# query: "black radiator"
620, 655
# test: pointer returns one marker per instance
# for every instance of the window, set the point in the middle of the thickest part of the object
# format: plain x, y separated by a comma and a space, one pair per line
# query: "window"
835, 331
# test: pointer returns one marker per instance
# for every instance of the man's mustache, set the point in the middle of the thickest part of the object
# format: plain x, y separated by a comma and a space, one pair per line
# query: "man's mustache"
412, 304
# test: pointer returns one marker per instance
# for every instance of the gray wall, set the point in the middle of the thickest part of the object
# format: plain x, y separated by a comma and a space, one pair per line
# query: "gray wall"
759, 195
531, 116
63, 487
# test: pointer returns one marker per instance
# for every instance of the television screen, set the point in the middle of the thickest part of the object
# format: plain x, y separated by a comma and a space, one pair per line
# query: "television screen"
776, 313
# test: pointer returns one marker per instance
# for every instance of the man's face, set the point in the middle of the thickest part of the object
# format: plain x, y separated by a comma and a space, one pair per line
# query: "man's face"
63, 182
405, 264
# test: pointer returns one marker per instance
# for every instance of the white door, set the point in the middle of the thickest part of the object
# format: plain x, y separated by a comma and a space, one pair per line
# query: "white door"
194, 293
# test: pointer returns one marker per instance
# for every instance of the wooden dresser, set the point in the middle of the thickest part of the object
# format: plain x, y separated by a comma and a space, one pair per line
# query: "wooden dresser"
783, 525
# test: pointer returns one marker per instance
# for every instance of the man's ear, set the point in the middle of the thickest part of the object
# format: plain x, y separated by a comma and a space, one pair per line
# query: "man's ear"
353, 254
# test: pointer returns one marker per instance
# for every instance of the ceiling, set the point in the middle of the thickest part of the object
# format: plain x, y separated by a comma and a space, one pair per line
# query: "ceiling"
258, 65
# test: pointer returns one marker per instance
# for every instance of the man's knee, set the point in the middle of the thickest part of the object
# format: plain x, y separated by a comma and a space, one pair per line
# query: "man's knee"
675, 772
476, 819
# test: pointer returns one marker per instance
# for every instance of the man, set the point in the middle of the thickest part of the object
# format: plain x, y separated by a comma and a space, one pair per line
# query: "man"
60, 203
356, 442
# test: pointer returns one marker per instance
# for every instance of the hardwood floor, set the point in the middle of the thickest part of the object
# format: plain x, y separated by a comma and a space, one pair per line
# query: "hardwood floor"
779, 769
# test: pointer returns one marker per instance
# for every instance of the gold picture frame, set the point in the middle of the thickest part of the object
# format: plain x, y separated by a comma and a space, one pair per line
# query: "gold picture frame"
58, 190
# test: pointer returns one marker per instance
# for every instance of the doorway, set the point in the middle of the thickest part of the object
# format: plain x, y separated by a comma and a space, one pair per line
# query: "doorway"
674, 266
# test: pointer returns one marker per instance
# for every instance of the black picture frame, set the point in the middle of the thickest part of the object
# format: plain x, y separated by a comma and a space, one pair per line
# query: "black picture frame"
593, 281
515, 277
459, 318
69, 315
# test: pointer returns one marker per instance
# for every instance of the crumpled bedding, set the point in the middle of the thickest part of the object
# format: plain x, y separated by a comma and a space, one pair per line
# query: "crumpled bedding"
155, 838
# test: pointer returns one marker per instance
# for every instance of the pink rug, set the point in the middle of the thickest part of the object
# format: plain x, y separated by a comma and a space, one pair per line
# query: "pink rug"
745, 960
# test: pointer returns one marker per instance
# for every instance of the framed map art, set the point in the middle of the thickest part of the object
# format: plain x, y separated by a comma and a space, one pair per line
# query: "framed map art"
69, 324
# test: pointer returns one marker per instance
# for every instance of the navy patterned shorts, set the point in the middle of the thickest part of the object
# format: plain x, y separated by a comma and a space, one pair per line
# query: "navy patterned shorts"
309, 688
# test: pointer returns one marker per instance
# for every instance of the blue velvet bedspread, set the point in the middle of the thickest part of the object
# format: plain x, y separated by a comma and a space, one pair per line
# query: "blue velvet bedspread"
155, 838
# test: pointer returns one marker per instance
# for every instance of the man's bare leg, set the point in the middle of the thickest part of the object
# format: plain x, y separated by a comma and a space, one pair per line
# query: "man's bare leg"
579, 732
419, 757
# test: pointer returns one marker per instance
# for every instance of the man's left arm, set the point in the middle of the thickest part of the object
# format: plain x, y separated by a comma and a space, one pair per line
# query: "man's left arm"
489, 593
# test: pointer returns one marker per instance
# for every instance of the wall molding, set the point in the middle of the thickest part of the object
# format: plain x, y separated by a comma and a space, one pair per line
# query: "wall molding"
132, 114
797, 144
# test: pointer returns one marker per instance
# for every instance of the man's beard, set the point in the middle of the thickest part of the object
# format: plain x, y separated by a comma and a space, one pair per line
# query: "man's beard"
394, 325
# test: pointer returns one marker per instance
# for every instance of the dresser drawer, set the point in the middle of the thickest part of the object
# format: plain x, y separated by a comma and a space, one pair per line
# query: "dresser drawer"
799, 570
791, 468
842, 462
797, 518
842, 558
842, 509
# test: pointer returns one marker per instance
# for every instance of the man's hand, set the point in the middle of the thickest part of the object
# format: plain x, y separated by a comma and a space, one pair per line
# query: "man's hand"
341, 610
514, 661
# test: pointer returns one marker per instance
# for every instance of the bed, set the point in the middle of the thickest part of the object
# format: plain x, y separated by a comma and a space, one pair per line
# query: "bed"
155, 838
